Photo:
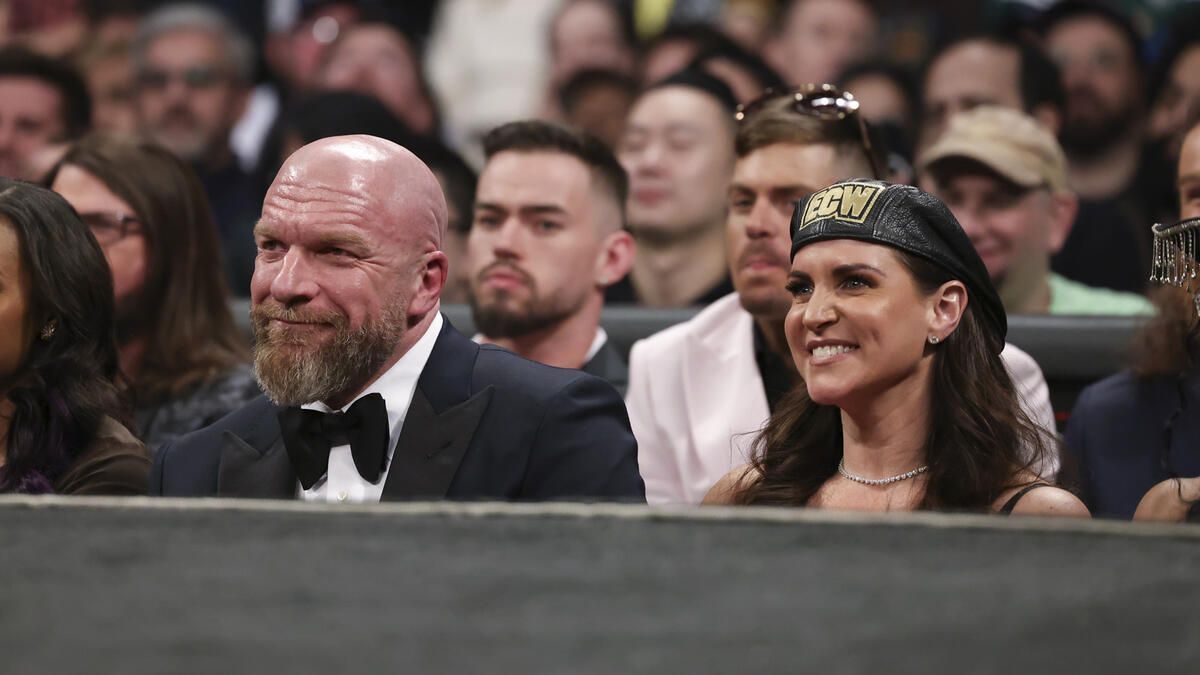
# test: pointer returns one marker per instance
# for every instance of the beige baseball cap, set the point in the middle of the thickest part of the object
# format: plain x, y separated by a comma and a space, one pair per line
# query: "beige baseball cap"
1005, 140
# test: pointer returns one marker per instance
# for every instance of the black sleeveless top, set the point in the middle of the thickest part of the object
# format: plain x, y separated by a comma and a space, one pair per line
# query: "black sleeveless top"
1009, 505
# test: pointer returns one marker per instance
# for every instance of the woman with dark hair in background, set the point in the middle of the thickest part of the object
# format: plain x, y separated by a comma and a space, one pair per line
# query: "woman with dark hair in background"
905, 403
185, 360
58, 402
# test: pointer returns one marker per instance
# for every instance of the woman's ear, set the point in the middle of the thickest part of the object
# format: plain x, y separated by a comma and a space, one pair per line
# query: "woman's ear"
946, 308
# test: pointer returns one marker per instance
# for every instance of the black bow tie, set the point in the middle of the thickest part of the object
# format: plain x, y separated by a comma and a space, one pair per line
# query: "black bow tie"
309, 434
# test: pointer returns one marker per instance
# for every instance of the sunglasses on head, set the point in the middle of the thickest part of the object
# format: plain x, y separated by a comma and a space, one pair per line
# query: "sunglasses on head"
822, 101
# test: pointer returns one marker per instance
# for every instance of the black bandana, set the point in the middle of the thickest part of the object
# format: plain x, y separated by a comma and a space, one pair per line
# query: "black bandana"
903, 217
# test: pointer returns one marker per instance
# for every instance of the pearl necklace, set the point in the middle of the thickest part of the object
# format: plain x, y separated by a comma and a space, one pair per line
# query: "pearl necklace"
879, 481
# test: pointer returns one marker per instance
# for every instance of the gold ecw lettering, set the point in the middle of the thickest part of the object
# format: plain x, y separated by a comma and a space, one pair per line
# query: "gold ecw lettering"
849, 202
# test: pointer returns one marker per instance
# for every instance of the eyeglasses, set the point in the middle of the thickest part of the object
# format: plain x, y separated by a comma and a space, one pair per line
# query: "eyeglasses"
109, 228
824, 102
194, 77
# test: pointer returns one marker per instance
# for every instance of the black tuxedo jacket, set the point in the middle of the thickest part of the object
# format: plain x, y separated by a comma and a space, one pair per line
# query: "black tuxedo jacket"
609, 366
483, 424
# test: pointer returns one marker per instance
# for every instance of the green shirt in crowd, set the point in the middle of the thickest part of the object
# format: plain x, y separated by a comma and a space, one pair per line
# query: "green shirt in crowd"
1072, 297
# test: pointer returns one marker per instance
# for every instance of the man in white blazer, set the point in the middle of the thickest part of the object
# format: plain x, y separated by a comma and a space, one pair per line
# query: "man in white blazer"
700, 391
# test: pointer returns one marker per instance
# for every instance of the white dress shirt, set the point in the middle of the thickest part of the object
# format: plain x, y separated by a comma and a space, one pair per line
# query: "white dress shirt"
341, 482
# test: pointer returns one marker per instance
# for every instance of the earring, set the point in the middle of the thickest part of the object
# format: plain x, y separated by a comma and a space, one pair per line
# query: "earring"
933, 339
48, 330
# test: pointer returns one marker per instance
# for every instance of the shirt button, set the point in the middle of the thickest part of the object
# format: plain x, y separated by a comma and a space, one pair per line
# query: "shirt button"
341, 496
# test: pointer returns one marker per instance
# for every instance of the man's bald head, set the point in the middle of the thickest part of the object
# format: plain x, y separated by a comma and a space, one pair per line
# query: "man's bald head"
389, 178
349, 269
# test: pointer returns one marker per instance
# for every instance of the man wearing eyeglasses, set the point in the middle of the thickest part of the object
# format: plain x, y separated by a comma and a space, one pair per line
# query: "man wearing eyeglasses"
700, 391
193, 72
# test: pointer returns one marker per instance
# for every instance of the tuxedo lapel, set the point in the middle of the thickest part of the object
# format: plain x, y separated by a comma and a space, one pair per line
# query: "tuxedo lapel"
245, 471
431, 446
440, 422
253, 461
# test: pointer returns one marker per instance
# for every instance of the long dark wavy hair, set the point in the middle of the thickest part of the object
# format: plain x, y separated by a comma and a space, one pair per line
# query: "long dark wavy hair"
1166, 349
64, 386
183, 308
980, 441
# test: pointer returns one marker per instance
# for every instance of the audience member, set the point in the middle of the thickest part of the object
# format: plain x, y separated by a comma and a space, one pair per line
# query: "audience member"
1099, 54
345, 309
374, 57
1119, 184
1134, 429
59, 405
547, 239
108, 70
586, 35
818, 39
892, 315
700, 390
598, 101
678, 152
1004, 177
180, 351
193, 72
990, 70
43, 102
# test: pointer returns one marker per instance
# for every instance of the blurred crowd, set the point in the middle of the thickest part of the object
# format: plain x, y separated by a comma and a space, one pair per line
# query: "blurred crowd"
1056, 133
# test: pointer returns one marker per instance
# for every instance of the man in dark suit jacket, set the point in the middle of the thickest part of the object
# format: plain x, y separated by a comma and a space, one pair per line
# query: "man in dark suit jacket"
546, 241
370, 393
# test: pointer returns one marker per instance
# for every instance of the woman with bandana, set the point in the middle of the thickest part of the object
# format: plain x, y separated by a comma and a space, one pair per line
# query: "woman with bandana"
905, 405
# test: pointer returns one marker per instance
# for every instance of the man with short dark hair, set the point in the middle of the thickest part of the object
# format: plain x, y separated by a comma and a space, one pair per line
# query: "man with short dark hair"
677, 148
1117, 178
700, 391
370, 393
42, 102
546, 241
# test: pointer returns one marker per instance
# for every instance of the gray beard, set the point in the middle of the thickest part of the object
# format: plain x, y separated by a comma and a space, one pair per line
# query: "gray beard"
291, 375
